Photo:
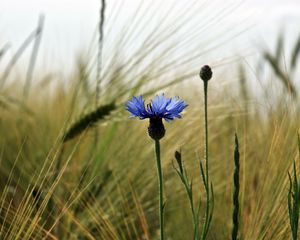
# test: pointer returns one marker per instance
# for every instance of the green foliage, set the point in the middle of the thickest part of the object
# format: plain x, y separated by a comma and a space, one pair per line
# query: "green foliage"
88, 120
188, 185
294, 199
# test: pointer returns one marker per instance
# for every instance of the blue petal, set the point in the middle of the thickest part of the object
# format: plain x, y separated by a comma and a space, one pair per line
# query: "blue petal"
174, 107
176, 104
136, 107
158, 105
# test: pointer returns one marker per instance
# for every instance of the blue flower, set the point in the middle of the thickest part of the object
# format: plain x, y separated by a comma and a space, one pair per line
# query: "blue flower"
160, 107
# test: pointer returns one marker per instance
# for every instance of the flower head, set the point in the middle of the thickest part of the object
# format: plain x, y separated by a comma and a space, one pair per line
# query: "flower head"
160, 107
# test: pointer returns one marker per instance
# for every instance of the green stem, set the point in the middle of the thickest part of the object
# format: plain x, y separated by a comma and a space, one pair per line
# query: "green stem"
236, 181
206, 129
206, 223
188, 188
161, 193
195, 221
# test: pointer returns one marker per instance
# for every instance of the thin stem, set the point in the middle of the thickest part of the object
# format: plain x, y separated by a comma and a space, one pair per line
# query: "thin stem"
206, 129
195, 220
99, 61
206, 177
33, 57
100, 50
189, 190
236, 181
161, 193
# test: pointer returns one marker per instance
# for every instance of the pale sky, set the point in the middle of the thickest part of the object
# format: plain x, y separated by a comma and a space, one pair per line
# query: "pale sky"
71, 24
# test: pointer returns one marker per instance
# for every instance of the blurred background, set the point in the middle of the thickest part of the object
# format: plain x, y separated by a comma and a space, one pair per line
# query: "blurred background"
74, 166
71, 26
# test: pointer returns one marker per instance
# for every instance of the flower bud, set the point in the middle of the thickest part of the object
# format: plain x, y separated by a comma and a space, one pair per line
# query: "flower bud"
205, 73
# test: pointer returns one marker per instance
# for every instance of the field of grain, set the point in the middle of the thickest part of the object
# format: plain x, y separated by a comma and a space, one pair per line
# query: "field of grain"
75, 166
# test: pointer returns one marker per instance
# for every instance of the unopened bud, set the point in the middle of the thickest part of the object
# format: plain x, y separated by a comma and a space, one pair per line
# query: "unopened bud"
205, 73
